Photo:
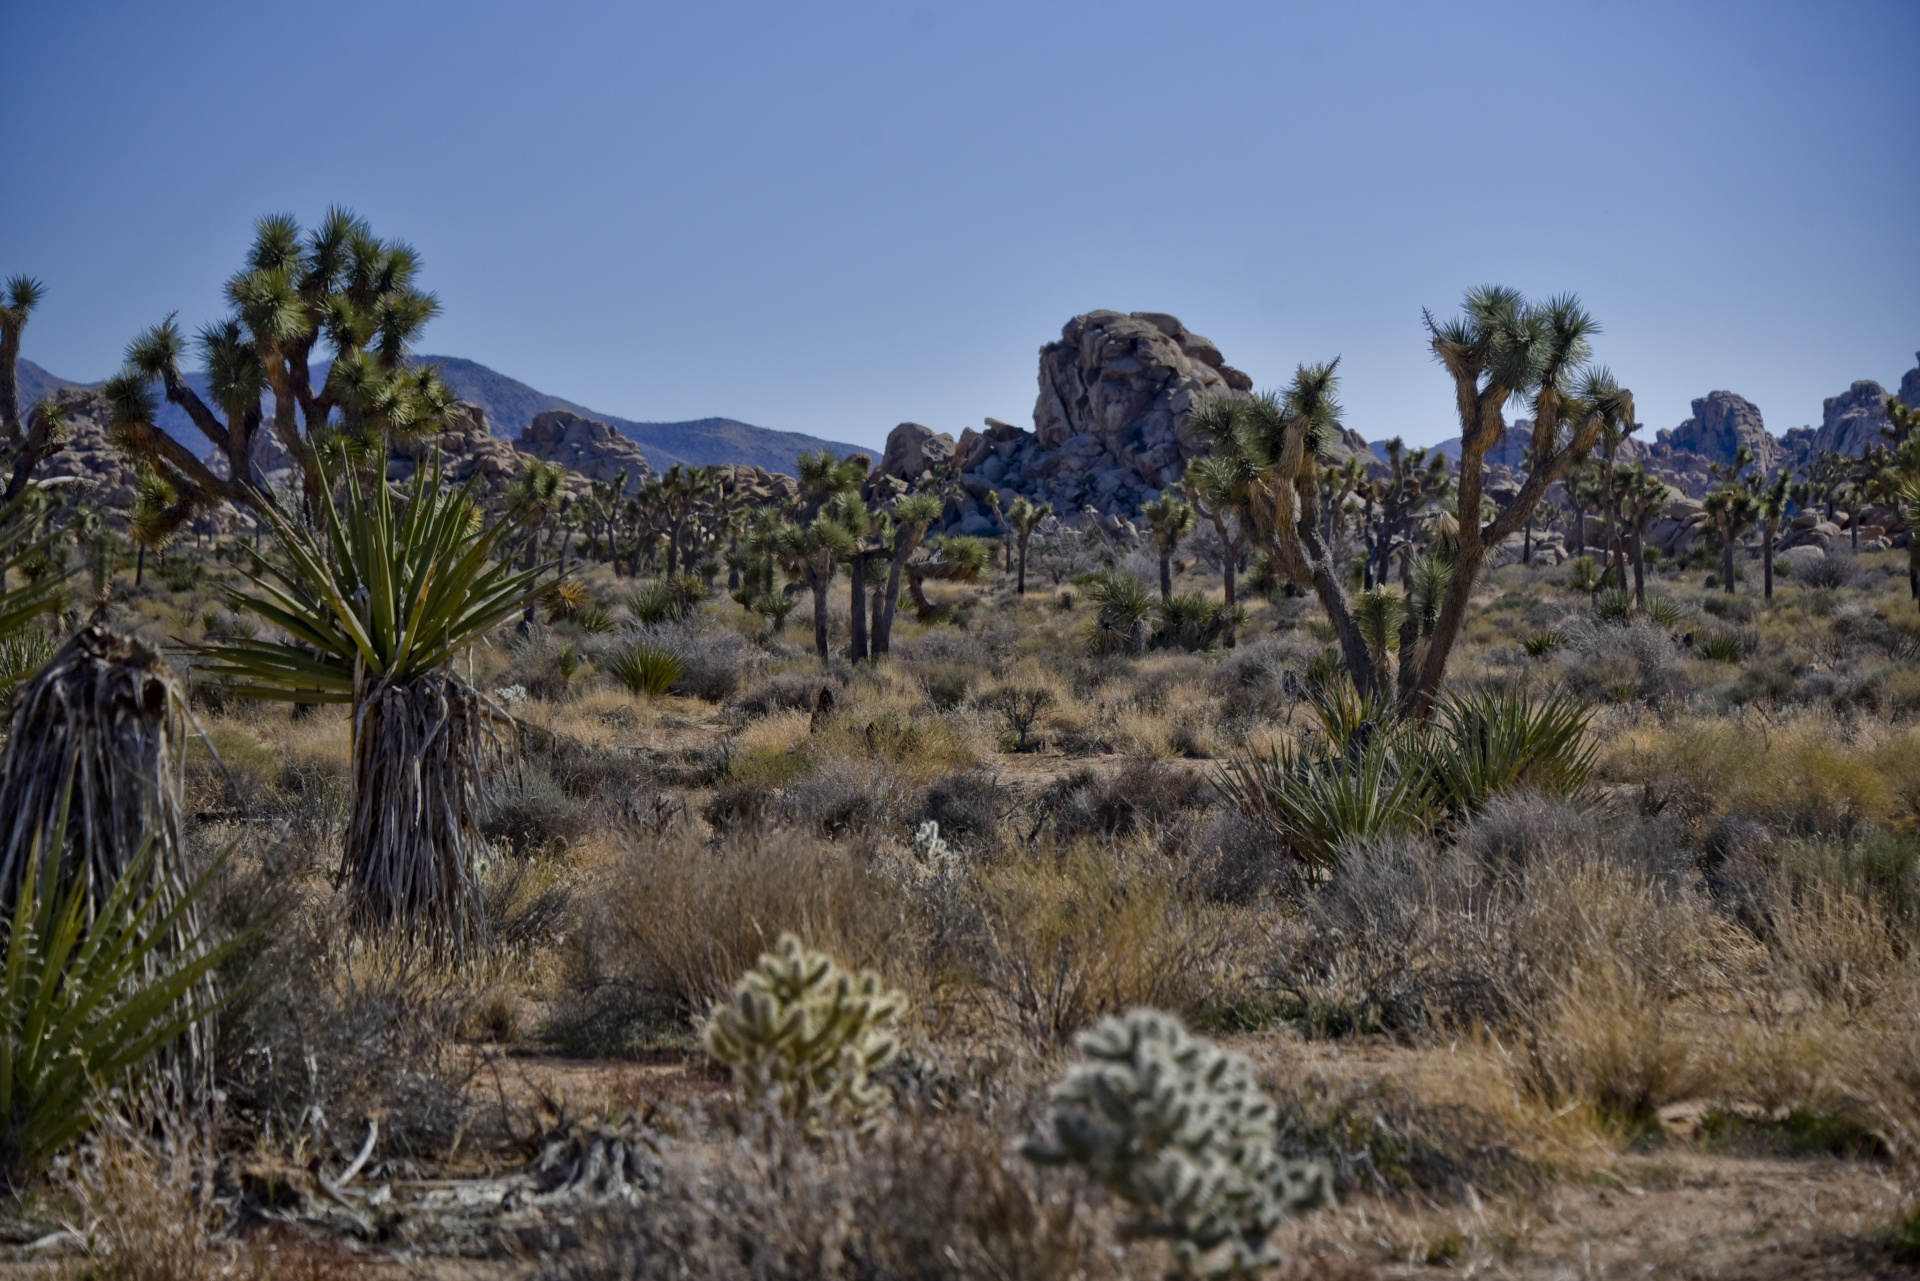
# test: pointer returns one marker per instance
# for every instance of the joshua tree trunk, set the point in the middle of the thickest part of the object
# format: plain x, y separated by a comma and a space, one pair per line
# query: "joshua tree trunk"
1526, 544
1166, 574
1640, 568
818, 582
1020, 583
1727, 563
1766, 560
857, 610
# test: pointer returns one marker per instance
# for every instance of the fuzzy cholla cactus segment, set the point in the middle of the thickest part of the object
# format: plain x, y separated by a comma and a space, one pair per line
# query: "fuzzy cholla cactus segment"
1177, 1128
804, 1032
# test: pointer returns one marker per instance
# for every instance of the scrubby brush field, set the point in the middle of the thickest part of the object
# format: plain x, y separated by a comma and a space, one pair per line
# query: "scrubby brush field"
1656, 1012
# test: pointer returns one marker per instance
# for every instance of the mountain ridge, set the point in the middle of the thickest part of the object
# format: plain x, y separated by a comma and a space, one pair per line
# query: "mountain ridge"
510, 405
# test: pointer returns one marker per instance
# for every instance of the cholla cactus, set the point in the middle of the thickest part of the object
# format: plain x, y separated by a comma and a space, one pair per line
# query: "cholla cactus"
802, 1030
1178, 1128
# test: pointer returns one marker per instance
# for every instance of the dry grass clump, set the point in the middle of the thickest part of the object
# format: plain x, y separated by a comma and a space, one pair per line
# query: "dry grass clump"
669, 925
937, 1193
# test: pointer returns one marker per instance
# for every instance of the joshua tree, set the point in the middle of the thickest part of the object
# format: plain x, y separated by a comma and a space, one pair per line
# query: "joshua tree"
810, 552
1643, 496
339, 283
1171, 520
157, 517
1772, 501
1731, 510
1217, 491
533, 499
912, 516
849, 511
43, 434
1393, 504
1271, 443
377, 608
1499, 348
950, 559
1023, 517
1338, 482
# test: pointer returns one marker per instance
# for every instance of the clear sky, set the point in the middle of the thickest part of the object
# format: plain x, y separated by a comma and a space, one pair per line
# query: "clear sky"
832, 217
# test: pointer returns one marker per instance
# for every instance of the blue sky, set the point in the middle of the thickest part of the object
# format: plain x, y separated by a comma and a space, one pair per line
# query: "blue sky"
832, 217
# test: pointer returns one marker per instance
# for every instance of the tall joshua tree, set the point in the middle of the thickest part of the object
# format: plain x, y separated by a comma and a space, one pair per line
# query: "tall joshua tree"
910, 520
339, 285
23, 444
1731, 511
1772, 501
1217, 491
1023, 517
1498, 349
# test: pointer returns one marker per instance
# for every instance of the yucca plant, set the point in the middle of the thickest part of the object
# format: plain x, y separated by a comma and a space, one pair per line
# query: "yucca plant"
375, 609
647, 669
1479, 745
1123, 602
91, 993
1316, 803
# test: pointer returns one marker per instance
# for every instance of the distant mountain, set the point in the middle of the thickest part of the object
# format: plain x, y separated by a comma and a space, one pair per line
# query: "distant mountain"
510, 405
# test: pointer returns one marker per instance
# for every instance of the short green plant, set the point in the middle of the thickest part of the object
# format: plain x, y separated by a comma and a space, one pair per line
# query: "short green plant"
87, 1003
1190, 621
1613, 606
1480, 745
667, 600
1720, 646
1178, 1129
1123, 602
646, 669
1541, 643
805, 1035
1583, 574
1664, 611
1316, 803
24, 654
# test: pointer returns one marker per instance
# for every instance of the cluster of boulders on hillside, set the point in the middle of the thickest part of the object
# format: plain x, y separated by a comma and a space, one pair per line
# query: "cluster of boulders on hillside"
1110, 426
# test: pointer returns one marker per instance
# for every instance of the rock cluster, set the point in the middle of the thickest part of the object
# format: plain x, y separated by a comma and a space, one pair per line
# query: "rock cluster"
90, 461
584, 445
1722, 424
1109, 424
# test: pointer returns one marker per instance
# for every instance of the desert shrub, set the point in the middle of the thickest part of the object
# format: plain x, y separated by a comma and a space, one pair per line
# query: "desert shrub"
1541, 643
1381, 1140
970, 806
1832, 572
670, 924
712, 660
646, 669
1317, 803
1730, 608
1178, 1129
1142, 795
936, 1195
947, 684
1774, 679
1019, 708
842, 796
530, 809
784, 692
1615, 605
1073, 933
1622, 664
806, 1036
352, 1032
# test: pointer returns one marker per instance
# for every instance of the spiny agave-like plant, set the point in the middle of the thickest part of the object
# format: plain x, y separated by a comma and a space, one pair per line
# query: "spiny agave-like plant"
646, 669
1177, 1128
807, 1035
375, 610
1123, 603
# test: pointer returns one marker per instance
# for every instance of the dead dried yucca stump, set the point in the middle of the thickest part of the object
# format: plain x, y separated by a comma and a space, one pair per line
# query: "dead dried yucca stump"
421, 749
98, 731
92, 776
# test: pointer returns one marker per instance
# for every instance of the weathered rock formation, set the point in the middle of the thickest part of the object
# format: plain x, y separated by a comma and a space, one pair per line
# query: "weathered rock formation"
90, 461
584, 445
1721, 425
1109, 423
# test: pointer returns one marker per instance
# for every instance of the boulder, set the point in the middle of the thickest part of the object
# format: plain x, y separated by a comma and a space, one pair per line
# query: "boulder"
913, 449
1792, 558
587, 446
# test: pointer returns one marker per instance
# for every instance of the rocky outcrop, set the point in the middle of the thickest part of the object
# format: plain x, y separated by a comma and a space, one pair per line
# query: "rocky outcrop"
466, 448
1851, 423
1109, 425
1722, 423
90, 461
586, 446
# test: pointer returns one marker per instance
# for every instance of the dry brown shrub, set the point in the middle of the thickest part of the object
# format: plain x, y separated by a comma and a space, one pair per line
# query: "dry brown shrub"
670, 924
934, 1195
1075, 932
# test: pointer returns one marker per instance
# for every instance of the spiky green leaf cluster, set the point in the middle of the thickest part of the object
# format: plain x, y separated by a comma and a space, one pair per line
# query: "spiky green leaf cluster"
87, 999
806, 1034
646, 669
1179, 1129
389, 595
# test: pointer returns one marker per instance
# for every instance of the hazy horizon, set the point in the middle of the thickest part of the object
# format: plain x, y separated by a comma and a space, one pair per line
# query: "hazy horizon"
833, 220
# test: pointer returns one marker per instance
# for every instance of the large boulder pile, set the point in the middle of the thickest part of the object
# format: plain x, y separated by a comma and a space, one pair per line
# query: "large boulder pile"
90, 461
1109, 426
466, 448
586, 446
1722, 424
